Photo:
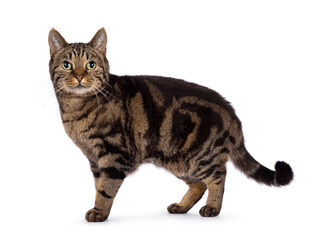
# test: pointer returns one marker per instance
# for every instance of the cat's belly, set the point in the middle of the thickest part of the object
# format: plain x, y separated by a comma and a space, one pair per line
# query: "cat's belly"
176, 167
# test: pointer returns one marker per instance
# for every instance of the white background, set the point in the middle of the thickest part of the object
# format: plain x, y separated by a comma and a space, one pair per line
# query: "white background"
263, 56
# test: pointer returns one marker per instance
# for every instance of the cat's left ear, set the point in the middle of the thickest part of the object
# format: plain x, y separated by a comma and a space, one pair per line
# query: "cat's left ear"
99, 41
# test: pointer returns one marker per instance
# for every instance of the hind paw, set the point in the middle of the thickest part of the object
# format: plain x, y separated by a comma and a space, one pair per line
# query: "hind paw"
207, 211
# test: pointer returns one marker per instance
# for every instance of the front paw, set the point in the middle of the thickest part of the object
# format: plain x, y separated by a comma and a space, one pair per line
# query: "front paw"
96, 215
176, 208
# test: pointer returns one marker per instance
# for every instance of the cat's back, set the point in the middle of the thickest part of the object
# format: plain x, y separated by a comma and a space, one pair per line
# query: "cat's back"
163, 90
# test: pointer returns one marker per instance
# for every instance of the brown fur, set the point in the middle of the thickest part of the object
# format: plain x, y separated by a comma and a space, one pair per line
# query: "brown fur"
121, 122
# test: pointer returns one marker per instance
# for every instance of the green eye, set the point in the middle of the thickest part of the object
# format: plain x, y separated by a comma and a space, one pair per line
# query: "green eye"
91, 65
66, 65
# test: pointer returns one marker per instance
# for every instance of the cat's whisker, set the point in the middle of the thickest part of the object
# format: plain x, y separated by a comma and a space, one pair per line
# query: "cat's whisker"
106, 91
47, 100
44, 95
61, 91
98, 102
106, 97
44, 90
99, 90
44, 85
62, 88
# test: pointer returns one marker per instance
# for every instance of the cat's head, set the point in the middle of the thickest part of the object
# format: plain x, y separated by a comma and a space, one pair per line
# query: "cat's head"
78, 69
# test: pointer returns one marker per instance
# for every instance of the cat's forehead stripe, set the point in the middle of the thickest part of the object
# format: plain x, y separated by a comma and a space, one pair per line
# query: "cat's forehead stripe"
70, 56
78, 50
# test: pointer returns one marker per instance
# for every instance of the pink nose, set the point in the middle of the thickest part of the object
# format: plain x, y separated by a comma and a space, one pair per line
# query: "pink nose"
79, 78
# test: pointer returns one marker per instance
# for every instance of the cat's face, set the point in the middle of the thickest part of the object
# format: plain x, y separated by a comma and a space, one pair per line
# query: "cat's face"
78, 69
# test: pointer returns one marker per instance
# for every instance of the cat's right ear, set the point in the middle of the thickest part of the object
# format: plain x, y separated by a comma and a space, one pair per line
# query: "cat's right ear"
99, 41
56, 42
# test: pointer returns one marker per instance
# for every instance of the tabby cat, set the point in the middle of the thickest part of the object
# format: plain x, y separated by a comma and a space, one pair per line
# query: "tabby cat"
121, 122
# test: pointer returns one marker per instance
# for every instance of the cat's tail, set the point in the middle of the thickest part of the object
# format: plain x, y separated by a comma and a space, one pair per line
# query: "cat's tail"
242, 159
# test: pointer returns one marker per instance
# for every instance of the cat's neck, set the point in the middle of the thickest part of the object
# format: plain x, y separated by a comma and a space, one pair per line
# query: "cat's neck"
73, 104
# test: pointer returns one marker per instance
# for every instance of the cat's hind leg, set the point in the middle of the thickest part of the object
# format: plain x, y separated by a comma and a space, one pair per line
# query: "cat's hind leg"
193, 195
215, 185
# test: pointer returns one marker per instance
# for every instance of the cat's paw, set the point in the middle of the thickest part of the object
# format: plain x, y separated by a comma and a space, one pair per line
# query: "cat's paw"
207, 211
176, 208
95, 215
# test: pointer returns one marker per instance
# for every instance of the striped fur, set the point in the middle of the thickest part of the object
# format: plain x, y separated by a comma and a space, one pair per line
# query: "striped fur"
121, 122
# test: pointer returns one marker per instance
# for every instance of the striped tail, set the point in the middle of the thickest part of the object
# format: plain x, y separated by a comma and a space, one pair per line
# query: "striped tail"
242, 159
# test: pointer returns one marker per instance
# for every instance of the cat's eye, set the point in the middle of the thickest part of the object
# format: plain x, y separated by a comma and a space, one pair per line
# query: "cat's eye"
91, 65
66, 65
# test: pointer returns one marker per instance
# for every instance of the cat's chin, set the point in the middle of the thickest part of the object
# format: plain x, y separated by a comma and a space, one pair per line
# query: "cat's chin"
80, 91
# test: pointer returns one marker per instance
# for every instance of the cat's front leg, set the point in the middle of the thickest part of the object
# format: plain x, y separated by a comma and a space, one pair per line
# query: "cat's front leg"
107, 182
106, 190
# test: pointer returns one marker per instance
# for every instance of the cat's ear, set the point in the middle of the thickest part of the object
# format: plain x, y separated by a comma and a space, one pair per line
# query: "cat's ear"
99, 41
56, 42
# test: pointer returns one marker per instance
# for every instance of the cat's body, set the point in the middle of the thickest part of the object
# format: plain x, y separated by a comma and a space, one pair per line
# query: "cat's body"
121, 122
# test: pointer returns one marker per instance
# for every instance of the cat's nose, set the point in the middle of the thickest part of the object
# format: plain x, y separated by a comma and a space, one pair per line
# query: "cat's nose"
79, 78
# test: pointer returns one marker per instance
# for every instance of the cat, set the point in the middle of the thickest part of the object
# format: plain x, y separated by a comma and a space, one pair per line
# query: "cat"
121, 122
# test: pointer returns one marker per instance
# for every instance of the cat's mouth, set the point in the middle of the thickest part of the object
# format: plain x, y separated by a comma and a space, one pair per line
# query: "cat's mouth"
75, 87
